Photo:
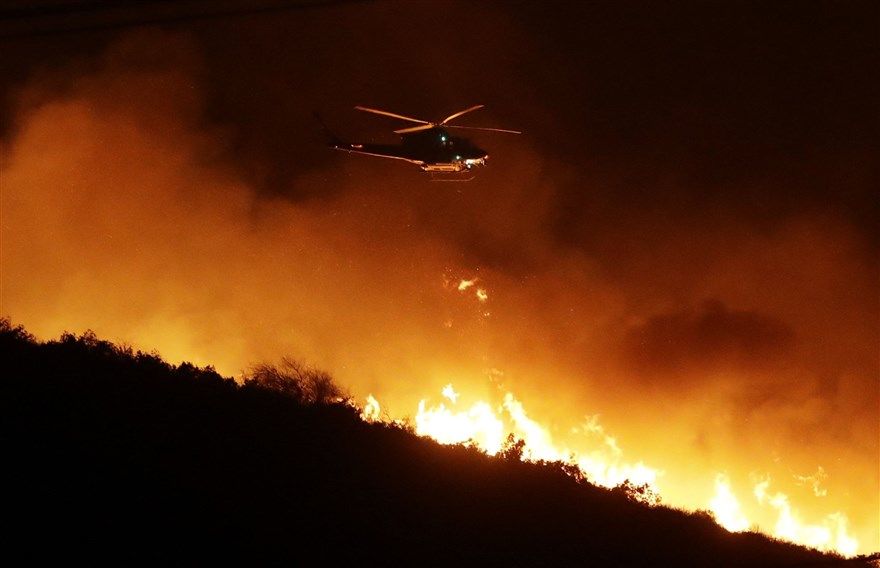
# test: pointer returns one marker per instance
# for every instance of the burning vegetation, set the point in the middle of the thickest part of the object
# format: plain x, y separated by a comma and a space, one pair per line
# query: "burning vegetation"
119, 455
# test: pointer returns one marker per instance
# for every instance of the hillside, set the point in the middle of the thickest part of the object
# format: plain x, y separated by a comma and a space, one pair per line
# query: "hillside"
114, 456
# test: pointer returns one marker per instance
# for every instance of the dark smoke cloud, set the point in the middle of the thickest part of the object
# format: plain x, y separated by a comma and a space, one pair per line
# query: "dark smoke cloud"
710, 336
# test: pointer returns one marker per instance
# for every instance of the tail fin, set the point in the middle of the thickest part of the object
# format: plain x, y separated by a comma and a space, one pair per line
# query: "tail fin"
332, 140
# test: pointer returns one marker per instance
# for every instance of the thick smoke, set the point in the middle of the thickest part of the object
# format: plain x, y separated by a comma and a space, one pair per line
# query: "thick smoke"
707, 343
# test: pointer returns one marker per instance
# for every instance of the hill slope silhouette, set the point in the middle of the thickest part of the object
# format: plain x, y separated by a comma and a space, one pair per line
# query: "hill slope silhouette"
116, 457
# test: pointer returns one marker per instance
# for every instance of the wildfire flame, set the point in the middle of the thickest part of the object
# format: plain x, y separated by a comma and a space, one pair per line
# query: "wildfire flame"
371, 410
487, 427
449, 392
832, 533
814, 482
725, 506
478, 424
464, 285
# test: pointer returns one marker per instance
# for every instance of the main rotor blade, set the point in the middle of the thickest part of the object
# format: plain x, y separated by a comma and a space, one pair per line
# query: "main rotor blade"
461, 112
414, 129
391, 114
481, 128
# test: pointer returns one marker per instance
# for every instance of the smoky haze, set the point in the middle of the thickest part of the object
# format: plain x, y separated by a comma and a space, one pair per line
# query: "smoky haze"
684, 240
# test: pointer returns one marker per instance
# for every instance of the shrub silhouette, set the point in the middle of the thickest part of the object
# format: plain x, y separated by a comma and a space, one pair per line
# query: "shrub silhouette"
513, 448
298, 381
639, 493
113, 456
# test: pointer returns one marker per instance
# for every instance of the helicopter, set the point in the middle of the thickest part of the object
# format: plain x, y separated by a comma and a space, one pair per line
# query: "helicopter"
429, 145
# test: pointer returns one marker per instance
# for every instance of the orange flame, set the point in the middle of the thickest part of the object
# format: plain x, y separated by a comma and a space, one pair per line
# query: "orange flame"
371, 411
487, 426
725, 506
832, 533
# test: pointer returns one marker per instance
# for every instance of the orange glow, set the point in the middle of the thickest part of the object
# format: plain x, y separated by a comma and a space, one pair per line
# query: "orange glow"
711, 347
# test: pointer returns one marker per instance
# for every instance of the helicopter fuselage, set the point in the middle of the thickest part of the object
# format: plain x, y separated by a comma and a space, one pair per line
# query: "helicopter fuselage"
433, 150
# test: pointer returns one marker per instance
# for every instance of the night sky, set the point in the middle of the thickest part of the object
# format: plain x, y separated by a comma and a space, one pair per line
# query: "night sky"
684, 239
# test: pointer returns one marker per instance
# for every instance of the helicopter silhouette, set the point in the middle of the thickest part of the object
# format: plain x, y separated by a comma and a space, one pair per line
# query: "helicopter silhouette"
429, 145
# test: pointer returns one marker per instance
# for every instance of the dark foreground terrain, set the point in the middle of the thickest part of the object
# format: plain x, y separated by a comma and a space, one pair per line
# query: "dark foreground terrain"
115, 457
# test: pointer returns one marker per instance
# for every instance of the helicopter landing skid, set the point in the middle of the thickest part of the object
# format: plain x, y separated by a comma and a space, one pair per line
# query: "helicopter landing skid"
452, 176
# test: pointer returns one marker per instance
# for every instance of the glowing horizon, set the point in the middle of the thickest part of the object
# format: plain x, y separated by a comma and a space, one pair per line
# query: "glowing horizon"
618, 313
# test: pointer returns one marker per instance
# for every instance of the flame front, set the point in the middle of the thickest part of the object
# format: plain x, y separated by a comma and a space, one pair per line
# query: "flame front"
832, 533
600, 460
371, 411
725, 506
487, 427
